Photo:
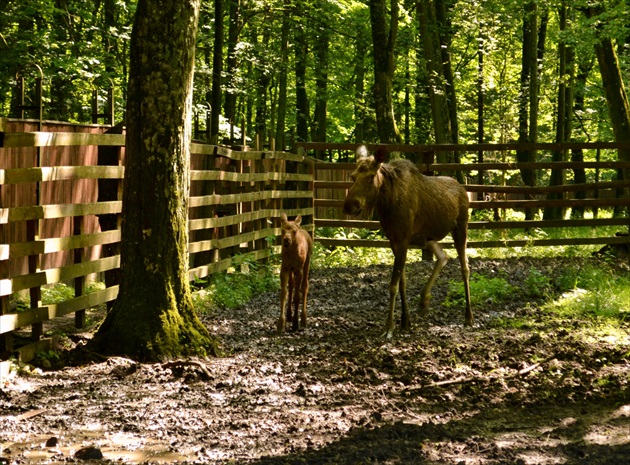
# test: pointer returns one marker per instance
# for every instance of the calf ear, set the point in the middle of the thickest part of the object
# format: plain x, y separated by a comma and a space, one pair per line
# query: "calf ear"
284, 218
298, 220
381, 154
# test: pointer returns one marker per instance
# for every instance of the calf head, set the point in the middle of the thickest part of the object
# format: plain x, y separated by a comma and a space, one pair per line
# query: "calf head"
289, 229
367, 180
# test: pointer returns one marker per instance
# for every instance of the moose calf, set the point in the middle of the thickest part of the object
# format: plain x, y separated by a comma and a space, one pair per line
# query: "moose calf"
297, 247
413, 209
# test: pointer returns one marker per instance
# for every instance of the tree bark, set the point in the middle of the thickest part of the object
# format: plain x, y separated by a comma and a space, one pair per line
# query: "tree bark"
217, 68
301, 97
153, 317
321, 88
564, 114
234, 29
282, 79
384, 32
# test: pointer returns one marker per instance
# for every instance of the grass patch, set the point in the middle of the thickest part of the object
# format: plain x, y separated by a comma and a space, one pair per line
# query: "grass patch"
483, 290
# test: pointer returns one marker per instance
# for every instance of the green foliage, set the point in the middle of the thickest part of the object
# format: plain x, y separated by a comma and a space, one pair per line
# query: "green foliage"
483, 290
537, 284
233, 289
55, 294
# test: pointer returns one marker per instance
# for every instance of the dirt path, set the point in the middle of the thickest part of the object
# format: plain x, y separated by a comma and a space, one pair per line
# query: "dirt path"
337, 393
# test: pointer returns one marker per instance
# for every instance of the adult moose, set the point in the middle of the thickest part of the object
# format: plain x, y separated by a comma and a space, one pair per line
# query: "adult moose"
413, 209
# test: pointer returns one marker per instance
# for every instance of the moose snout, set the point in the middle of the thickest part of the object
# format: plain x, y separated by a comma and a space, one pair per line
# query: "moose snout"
286, 241
351, 207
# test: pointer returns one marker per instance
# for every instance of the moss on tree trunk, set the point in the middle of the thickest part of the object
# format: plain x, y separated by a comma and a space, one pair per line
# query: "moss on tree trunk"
153, 317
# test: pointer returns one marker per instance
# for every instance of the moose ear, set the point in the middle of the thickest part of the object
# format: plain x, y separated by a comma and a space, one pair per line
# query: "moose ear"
298, 220
284, 218
381, 154
361, 152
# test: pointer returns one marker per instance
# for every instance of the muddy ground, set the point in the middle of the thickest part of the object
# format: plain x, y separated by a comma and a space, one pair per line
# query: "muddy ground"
547, 392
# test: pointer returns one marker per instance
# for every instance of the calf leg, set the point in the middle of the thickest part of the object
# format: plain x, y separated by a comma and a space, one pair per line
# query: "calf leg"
295, 285
291, 297
441, 260
405, 320
304, 290
284, 284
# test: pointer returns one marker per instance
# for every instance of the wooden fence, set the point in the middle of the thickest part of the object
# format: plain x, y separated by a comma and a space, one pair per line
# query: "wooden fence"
332, 182
60, 202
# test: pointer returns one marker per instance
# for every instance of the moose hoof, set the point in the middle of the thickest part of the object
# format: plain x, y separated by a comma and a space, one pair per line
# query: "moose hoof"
281, 326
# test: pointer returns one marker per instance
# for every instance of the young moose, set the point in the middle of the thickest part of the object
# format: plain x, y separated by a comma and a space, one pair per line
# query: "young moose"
413, 209
297, 247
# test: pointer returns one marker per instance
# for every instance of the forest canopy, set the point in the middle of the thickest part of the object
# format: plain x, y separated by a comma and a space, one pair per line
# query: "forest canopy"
304, 70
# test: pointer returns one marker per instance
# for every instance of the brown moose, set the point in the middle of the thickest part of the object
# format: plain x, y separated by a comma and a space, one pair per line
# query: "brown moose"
297, 247
413, 209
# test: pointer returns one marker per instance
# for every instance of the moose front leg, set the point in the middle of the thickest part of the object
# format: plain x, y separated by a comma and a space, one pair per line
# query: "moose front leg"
398, 279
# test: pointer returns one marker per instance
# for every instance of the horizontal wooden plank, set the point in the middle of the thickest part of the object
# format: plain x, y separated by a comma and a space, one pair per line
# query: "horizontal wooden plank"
42, 246
222, 265
207, 200
592, 186
59, 139
330, 242
218, 175
232, 241
520, 224
519, 204
56, 275
60, 173
230, 220
13, 321
441, 167
250, 155
513, 146
8, 215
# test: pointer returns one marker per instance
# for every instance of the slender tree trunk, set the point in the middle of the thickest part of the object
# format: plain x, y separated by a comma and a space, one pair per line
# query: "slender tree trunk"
234, 29
217, 69
528, 92
564, 113
359, 85
153, 317
322, 44
441, 111
384, 32
301, 97
282, 78
577, 155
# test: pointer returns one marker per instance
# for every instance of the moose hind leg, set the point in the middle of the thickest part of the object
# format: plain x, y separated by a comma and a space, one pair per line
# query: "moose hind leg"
460, 246
441, 260
304, 291
284, 284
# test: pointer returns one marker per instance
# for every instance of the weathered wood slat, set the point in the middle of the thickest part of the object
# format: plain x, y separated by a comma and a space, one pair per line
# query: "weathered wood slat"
8, 215
204, 149
57, 275
592, 222
216, 175
518, 204
208, 223
60, 173
59, 139
14, 321
207, 200
222, 265
507, 189
329, 242
569, 165
42, 246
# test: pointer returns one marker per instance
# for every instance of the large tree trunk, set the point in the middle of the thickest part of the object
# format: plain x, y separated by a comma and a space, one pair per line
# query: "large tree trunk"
616, 96
153, 317
384, 32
